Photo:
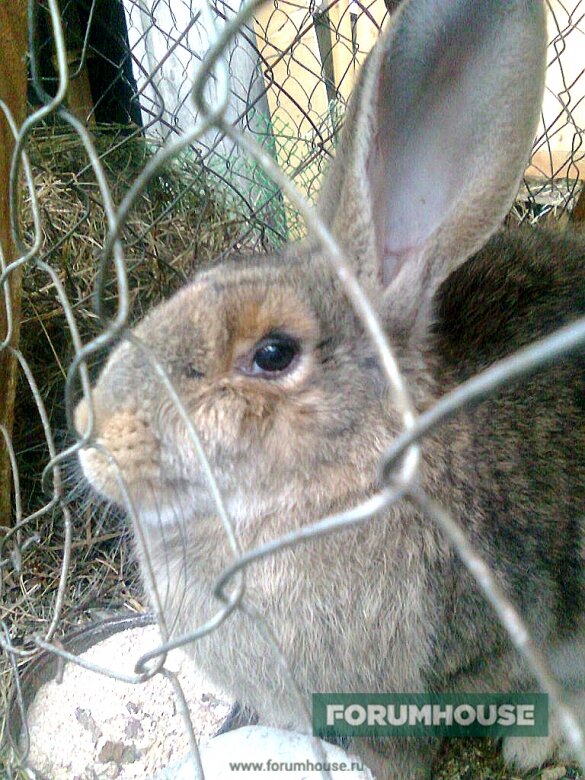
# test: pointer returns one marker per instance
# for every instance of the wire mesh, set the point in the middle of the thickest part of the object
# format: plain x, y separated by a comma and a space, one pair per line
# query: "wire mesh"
130, 186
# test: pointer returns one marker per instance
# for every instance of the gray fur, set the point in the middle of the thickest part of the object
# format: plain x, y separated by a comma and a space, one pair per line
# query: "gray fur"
386, 606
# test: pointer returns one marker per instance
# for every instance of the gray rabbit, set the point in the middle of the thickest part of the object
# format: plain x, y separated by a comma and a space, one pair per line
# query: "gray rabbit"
284, 386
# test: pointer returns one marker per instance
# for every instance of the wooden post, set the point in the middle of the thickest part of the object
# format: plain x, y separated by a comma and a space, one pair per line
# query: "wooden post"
13, 76
368, 26
342, 47
297, 96
577, 219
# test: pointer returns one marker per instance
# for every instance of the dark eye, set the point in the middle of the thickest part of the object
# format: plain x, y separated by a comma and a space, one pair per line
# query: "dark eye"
275, 354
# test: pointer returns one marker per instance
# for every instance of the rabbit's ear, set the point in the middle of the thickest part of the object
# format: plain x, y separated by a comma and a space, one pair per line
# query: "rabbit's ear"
435, 142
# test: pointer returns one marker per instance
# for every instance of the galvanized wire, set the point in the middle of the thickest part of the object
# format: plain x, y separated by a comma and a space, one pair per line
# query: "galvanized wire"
272, 173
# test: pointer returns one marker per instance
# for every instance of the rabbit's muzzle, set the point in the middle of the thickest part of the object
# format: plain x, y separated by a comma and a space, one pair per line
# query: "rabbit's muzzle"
123, 454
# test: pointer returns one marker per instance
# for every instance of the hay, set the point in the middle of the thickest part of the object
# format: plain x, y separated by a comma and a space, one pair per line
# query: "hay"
183, 221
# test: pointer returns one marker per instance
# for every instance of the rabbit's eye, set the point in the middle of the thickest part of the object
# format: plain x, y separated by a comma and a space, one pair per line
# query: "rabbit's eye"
275, 354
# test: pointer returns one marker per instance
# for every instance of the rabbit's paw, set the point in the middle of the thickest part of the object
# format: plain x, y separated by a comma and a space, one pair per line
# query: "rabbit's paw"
528, 752
397, 758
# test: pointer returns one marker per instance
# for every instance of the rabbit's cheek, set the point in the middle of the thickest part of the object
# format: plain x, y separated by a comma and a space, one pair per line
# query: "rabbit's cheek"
216, 421
228, 418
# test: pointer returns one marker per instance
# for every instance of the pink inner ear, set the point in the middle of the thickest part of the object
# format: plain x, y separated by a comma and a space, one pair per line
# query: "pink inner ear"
393, 262
418, 165
407, 203
440, 134
431, 106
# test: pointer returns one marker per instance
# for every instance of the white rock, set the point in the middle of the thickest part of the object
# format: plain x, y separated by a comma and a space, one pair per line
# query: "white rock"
118, 729
553, 773
294, 756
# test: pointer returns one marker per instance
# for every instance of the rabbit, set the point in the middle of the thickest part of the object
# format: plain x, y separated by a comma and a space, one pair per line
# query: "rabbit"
285, 388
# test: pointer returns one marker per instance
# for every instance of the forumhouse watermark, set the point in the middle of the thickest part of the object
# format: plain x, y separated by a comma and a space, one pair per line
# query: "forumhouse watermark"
436, 715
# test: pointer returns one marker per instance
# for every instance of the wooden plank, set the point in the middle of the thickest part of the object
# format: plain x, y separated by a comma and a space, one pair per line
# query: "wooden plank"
577, 219
342, 51
79, 98
372, 16
13, 45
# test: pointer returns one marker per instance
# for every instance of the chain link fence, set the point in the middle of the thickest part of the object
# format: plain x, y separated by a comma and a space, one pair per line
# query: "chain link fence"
127, 190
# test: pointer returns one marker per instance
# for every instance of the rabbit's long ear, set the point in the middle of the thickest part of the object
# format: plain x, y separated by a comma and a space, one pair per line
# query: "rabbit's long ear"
435, 142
